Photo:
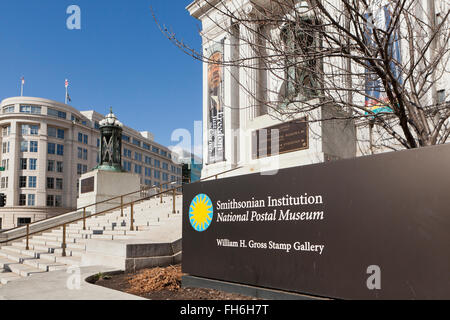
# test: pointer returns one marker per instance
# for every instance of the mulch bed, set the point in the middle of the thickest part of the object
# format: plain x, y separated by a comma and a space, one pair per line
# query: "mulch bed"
162, 284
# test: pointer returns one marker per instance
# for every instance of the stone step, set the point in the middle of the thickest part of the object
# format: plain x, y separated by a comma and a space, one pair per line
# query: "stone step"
24, 270
51, 237
8, 277
12, 249
70, 261
44, 265
102, 236
14, 256
4, 263
79, 246
71, 252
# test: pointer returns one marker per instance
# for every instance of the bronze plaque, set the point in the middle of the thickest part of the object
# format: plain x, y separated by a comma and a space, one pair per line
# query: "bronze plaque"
87, 185
293, 136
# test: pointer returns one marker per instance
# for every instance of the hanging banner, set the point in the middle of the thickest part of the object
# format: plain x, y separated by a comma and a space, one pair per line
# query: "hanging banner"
380, 19
216, 129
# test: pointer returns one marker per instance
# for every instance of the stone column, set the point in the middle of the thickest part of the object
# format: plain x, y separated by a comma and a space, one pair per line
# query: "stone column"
42, 156
248, 74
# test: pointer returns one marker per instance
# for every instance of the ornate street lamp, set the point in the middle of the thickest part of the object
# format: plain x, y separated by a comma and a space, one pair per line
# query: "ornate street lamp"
110, 144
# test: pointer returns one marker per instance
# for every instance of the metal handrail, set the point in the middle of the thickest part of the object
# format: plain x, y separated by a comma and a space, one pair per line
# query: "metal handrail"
121, 206
96, 203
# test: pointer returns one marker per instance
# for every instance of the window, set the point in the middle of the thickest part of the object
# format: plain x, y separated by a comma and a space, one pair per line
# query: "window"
60, 134
50, 183
165, 176
157, 174
79, 168
30, 109
136, 142
23, 163
148, 182
300, 41
51, 165
33, 146
156, 163
74, 119
22, 182
55, 133
51, 148
31, 200
125, 138
60, 150
59, 183
146, 146
127, 166
51, 132
148, 172
155, 149
59, 167
4, 183
6, 131
8, 109
165, 166
96, 125
32, 182
137, 169
82, 153
5, 147
98, 143
164, 153
85, 139
84, 168
441, 96
24, 146
33, 164
148, 160
34, 130
50, 201
126, 153
5, 164
23, 221
58, 201
138, 156
56, 113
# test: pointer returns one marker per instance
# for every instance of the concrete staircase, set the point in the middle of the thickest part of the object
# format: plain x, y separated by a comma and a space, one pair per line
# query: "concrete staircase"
45, 249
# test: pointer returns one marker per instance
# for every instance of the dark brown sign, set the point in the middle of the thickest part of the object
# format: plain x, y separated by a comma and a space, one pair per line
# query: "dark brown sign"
368, 228
87, 185
292, 136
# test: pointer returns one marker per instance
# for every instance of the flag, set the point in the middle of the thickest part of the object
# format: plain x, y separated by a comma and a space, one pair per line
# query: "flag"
23, 80
68, 97
67, 83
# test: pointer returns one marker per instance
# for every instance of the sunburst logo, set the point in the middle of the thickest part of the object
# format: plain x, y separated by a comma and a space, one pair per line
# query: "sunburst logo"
201, 212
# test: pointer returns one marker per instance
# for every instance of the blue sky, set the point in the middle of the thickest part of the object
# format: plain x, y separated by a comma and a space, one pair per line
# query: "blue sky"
119, 58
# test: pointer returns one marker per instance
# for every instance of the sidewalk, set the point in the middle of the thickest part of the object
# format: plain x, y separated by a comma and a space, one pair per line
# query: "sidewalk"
54, 286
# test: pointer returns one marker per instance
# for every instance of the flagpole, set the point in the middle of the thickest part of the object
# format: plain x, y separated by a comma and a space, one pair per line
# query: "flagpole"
21, 86
66, 85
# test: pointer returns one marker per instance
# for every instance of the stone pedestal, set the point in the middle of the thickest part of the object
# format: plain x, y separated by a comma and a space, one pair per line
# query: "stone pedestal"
100, 185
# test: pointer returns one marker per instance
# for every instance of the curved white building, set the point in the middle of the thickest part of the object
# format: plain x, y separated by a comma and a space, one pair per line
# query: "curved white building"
46, 146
